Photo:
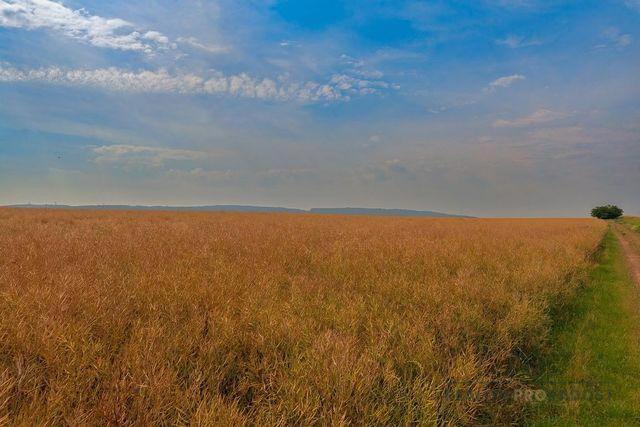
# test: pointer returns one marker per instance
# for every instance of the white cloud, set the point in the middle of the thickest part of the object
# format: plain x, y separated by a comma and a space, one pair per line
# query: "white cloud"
340, 87
633, 4
516, 42
211, 175
113, 33
130, 155
624, 40
388, 169
616, 38
207, 47
271, 175
505, 81
358, 68
539, 116
285, 174
351, 61
369, 74
289, 43
156, 36
356, 85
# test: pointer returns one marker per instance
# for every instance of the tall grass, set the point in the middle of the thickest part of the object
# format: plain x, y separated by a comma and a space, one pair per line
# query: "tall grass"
632, 221
168, 318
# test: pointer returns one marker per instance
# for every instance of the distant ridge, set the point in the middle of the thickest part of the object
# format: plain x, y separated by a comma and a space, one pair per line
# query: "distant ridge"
383, 212
249, 208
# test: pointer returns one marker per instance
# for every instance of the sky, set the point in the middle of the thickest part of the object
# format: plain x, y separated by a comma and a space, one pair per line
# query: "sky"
484, 107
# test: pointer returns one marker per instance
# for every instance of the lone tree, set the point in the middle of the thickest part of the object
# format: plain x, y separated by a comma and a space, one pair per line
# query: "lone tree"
607, 212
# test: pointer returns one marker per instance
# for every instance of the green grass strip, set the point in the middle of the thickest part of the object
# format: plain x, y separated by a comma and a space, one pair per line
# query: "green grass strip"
632, 221
592, 374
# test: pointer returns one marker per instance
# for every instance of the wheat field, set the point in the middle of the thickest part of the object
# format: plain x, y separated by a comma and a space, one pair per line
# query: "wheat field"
164, 318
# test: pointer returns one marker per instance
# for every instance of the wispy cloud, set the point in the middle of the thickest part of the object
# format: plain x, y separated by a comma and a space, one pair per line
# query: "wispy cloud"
289, 43
136, 155
392, 168
359, 69
207, 47
357, 86
339, 88
113, 33
633, 4
199, 173
505, 81
538, 117
615, 38
516, 42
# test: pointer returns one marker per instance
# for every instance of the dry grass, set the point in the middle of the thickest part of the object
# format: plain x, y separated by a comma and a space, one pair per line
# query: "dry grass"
170, 318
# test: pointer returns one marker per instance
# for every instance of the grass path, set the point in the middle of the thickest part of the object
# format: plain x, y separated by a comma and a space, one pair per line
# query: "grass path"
592, 376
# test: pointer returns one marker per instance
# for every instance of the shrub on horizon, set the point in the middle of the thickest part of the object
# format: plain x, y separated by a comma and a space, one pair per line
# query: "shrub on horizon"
607, 212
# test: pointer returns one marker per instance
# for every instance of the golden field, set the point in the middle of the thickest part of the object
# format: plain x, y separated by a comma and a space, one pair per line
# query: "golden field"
234, 319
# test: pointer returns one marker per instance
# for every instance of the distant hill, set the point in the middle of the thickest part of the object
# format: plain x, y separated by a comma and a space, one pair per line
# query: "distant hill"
383, 212
248, 208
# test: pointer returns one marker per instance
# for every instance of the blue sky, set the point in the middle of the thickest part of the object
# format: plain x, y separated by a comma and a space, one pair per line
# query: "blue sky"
486, 107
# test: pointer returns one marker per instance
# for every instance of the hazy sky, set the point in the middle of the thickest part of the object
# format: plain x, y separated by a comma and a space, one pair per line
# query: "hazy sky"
484, 107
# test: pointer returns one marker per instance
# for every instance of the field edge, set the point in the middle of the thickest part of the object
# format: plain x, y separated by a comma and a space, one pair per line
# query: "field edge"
592, 374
